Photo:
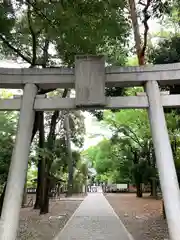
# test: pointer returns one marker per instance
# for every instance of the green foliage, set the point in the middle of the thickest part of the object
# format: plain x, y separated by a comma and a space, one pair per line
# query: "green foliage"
142, 172
70, 28
7, 17
131, 130
8, 122
31, 177
167, 51
130, 123
132, 61
129, 155
103, 157
109, 162
80, 176
123, 158
93, 26
77, 128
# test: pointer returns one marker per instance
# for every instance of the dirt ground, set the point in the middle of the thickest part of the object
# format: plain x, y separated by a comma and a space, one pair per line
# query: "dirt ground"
32, 226
142, 217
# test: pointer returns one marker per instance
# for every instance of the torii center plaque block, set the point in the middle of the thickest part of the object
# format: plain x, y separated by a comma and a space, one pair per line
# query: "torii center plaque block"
90, 81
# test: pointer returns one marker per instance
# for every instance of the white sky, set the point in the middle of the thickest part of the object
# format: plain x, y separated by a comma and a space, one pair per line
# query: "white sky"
95, 131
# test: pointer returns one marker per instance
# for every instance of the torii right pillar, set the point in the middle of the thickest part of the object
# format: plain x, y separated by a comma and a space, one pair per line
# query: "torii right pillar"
164, 159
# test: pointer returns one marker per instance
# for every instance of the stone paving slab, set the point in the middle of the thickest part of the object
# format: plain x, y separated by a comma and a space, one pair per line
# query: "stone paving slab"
94, 220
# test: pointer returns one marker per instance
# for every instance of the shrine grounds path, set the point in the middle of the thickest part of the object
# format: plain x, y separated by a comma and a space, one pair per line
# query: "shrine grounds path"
95, 219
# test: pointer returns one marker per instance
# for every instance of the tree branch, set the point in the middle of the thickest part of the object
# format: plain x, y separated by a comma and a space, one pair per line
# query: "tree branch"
141, 3
135, 24
128, 131
33, 35
36, 125
17, 51
54, 118
37, 115
146, 27
140, 47
40, 13
135, 137
45, 53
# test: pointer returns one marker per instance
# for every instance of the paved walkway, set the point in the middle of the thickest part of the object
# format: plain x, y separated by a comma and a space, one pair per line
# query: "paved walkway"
94, 220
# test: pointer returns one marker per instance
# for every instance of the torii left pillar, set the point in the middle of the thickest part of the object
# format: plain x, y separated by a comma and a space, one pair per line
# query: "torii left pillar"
19, 163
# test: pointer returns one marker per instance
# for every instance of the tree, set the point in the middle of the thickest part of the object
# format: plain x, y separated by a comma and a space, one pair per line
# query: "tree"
80, 176
31, 177
129, 155
166, 51
147, 9
72, 28
131, 130
55, 151
7, 17
109, 161
70, 157
143, 11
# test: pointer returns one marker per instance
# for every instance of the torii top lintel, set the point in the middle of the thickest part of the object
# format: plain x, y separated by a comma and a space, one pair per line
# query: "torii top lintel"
50, 78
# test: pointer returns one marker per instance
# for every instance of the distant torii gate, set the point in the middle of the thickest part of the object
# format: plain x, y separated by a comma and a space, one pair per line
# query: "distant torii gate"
89, 78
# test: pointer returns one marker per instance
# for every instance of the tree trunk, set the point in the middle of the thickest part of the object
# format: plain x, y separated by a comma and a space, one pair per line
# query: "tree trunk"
47, 165
38, 189
42, 197
163, 208
151, 183
2, 198
43, 187
58, 190
24, 201
139, 44
45, 199
70, 158
40, 178
40, 184
135, 25
47, 162
139, 193
154, 188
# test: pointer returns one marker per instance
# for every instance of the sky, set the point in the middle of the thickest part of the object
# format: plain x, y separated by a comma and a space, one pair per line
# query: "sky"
95, 131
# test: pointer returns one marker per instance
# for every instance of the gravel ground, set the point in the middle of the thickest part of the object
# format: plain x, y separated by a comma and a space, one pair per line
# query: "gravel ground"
32, 226
142, 217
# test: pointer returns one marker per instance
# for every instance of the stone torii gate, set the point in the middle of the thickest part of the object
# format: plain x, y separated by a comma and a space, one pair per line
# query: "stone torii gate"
89, 79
